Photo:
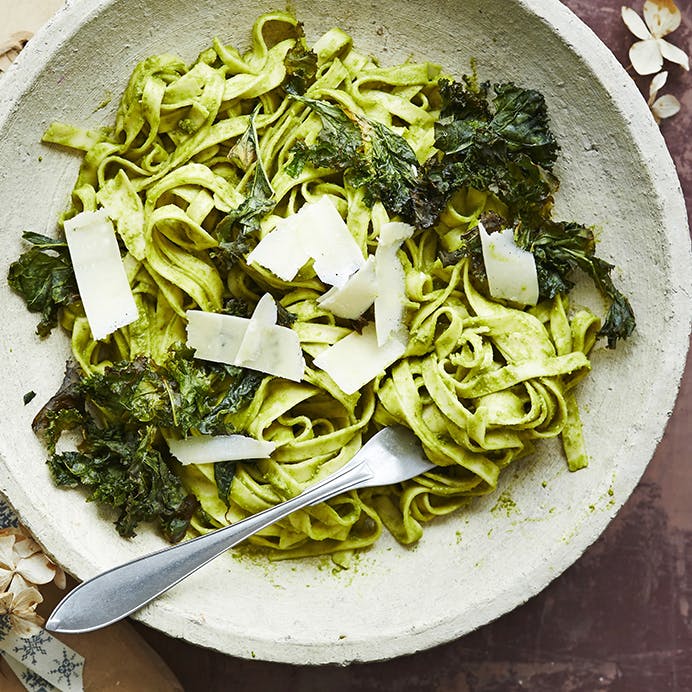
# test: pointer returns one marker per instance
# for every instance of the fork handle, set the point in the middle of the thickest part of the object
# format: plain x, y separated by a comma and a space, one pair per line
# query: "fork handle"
118, 592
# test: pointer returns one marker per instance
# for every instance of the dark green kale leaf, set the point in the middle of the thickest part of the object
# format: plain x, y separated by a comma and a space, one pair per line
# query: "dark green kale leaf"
130, 391
234, 231
465, 108
181, 394
301, 65
236, 306
284, 317
371, 156
121, 414
44, 277
123, 468
339, 144
390, 171
512, 121
245, 385
500, 142
64, 411
224, 473
520, 121
561, 247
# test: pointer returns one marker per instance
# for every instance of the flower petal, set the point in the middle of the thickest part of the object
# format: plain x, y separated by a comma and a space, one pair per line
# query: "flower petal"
661, 16
646, 57
657, 84
665, 107
36, 569
635, 23
26, 600
27, 626
18, 584
26, 546
60, 578
6, 600
673, 53
5, 578
7, 556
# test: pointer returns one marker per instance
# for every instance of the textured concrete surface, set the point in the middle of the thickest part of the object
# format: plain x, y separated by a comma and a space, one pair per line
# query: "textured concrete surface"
619, 620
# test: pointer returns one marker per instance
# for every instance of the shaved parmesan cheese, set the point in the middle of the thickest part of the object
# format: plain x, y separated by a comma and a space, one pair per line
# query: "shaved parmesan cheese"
257, 342
511, 270
357, 358
352, 299
208, 449
334, 249
272, 349
100, 274
214, 336
316, 231
395, 232
265, 311
281, 251
391, 289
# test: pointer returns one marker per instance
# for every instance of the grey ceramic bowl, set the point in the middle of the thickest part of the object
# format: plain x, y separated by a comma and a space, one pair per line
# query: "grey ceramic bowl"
470, 567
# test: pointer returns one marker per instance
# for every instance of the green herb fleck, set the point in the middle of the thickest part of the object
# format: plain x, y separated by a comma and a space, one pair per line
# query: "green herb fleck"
505, 504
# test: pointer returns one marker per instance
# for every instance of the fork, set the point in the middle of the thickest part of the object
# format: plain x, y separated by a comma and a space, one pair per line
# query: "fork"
390, 456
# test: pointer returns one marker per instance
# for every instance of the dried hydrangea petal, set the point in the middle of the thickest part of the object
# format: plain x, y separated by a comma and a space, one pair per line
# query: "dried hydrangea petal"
661, 16
673, 53
635, 23
665, 107
20, 607
7, 551
657, 83
36, 569
646, 57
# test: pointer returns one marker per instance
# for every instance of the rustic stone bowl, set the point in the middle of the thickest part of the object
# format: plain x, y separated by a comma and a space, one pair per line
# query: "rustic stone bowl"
471, 567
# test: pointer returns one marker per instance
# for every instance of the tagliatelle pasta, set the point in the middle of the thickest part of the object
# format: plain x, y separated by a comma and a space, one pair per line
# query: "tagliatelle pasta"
480, 380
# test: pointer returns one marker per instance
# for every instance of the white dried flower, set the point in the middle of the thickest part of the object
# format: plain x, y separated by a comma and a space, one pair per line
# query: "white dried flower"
664, 106
23, 563
18, 605
661, 17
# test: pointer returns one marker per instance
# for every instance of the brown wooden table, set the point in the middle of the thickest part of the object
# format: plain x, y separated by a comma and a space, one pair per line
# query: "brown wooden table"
620, 619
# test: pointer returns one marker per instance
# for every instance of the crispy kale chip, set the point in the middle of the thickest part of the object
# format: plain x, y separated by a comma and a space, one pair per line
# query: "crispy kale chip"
492, 139
389, 172
123, 469
235, 229
44, 277
559, 248
370, 155
301, 65
224, 473
503, 144
122, 457
339, 144
499, 141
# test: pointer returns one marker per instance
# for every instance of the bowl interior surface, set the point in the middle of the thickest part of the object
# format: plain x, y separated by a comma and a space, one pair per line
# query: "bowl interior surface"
470, 567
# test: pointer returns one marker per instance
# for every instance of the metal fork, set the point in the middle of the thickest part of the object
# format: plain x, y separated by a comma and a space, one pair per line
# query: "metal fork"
392, 455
